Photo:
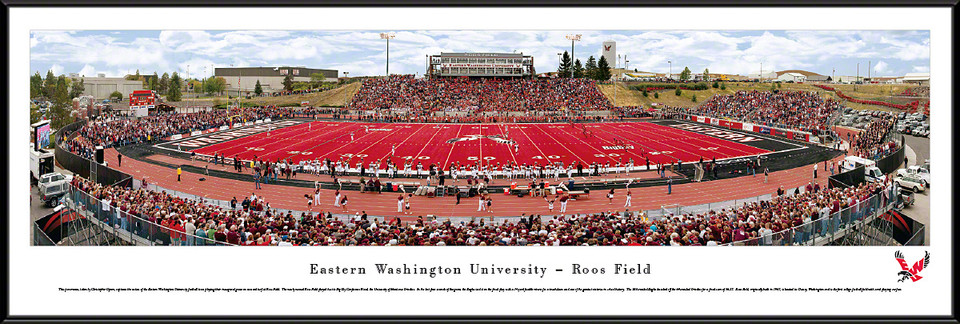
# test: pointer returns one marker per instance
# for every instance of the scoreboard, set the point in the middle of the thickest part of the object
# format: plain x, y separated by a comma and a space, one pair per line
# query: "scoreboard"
480, 65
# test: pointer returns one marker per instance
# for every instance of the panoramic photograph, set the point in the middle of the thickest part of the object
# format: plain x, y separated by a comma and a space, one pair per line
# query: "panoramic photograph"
479, 138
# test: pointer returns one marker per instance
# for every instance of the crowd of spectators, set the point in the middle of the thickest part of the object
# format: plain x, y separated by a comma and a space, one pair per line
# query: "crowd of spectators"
872, 142
805, 111
253, 222
480, 95
117, 132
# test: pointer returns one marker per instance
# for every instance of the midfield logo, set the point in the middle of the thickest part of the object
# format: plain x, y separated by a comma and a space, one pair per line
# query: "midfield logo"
911, 272
497, 138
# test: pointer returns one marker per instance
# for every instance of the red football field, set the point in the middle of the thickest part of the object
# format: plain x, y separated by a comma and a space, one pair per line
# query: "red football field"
437, 143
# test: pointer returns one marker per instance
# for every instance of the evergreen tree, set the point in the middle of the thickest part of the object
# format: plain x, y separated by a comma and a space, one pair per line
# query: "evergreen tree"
154, 80
578, 70
60, 112
76, 89
677, 92
685, 75
49, 85
564, 70
723, 86
656, 95
645, 94
174, 94
694, 98
36, 85
706, 74
603, 69
716, 84
591, 68
258, 90
288, 83
164, 84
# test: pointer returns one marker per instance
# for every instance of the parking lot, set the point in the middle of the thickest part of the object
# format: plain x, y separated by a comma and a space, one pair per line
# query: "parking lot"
916, 124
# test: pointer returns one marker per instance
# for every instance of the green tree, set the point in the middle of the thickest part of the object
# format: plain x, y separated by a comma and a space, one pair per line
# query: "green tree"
645, 94
164, 84
173, 94
135, 76
35, 114
258, 90
716, 84
565, 65
196, 85
591, 68
49, 85
116, 95
603, 69
779, 85
60, 112
677, 92
694, 98
656, 95
578, 70
723, 86
215, 85
76, 89
153, 81
685, 75
288, 83
706, 74
317, 78
36, 85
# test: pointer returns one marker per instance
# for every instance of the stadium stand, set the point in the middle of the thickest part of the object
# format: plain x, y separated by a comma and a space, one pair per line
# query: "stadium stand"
254, 223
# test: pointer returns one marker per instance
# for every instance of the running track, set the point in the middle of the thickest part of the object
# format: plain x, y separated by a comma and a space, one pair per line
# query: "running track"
286, 197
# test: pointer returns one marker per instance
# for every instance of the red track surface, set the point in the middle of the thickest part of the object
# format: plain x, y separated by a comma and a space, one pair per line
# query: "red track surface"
287, 197
428, 143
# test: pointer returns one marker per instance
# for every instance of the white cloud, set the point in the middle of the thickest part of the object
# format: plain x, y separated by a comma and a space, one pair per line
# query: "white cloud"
880, 67
921, 68
57, 69
364, 53
88, 70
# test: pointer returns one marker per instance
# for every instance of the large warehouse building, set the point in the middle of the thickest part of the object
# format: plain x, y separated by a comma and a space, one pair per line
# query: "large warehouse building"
271, 78
101, 87
508, 65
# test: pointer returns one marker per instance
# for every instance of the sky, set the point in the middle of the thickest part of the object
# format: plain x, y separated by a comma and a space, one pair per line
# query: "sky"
363, 53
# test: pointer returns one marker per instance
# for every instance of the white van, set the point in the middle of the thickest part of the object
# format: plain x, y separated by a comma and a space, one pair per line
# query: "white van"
870, 171
852, 162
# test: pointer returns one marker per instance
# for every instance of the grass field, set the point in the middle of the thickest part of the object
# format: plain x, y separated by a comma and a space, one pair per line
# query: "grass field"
334, 97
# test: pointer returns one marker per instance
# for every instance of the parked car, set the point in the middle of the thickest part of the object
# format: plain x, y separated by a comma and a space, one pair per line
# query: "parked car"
52, 179
909, 182
916, 170
906, 199
52, 192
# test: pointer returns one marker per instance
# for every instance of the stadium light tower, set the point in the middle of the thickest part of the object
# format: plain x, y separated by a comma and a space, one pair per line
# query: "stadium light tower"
387, 36
573, 38
670, 72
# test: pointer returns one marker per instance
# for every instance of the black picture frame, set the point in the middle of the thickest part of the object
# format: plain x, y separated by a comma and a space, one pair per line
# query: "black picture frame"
7, 4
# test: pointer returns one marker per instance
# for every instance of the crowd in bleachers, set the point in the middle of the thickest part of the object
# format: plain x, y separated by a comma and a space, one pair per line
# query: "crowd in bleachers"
805, 111
253, 222
439, 94
872, 142
125, 131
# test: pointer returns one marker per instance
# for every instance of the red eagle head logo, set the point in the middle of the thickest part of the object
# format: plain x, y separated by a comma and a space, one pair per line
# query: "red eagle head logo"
607, 47
911, 272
